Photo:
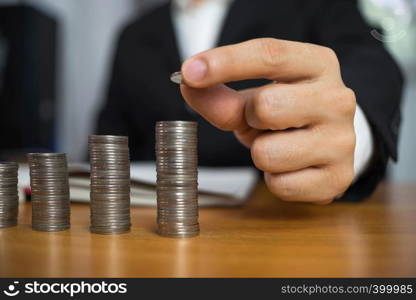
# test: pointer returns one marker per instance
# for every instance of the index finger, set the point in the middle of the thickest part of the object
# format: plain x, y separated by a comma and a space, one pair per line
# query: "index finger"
259, 58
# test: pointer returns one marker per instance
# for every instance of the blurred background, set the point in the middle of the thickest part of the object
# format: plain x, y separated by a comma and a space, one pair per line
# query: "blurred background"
59, 60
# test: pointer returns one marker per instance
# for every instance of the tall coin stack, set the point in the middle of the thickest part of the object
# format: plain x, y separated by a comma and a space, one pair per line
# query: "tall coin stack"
50, 191
8, 194
110, 184
177, 178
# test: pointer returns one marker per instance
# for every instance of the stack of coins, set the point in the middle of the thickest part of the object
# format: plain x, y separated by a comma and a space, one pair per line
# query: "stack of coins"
50, 191
177, 178
8, 194
110, 184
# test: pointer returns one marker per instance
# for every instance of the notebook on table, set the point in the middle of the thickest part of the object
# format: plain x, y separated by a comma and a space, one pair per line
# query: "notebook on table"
217, 186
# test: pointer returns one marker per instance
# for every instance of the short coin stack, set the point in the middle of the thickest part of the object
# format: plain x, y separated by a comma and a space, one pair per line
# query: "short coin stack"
50, 191
110, 184
8, 194
177, 178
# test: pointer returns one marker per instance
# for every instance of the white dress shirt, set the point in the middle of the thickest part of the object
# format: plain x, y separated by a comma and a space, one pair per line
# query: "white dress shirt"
198, 25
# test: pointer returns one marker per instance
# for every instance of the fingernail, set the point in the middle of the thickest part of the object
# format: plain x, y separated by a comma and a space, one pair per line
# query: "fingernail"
195, 70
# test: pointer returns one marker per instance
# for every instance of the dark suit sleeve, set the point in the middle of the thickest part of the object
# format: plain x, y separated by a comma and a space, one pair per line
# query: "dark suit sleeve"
371, 72
121, 106
113, 118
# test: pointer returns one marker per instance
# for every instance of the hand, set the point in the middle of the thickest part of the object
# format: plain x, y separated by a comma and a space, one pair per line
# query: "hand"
300, 129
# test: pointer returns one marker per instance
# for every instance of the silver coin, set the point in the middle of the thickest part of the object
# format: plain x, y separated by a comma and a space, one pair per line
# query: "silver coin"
8, 223
49, 228
50, 191
8, 194
176, 78
177, 178
108, 231
177, 213
110, 184
113, 139
186, 206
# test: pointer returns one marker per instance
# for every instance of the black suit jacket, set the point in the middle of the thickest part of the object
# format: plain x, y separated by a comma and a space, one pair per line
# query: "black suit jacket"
27, 95
140, 92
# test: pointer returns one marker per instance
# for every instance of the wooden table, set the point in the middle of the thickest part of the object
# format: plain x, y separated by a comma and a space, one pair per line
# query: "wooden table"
264, 238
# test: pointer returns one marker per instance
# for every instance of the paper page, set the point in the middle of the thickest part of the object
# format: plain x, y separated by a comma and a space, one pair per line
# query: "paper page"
235, 181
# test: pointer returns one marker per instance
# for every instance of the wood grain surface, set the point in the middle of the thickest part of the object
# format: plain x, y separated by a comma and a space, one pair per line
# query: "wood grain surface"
264, 238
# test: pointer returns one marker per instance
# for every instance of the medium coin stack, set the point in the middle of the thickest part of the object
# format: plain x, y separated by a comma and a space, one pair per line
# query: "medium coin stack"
177, 178
110, 184
50, 191
8, 194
